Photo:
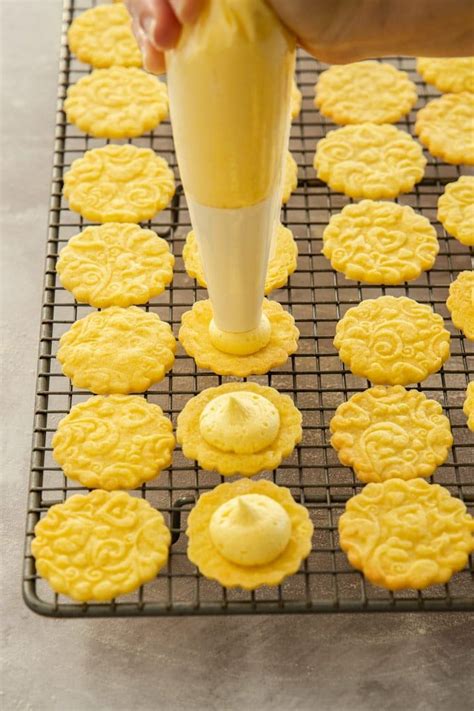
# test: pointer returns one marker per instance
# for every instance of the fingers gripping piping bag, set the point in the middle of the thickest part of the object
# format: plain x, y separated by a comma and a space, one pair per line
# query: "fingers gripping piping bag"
229, 84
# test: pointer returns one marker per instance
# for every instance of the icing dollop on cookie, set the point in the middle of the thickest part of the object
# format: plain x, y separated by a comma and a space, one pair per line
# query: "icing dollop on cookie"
251, 529
240, 422
241, 344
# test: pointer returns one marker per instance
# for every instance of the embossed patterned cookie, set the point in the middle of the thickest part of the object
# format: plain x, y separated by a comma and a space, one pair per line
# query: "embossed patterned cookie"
281, 265
369, 161
103, 37
364, 91
248, 533
119, 184
239, 428
120, 102
100, 546
115, 264
290, 178
468, 407
406, 534
392, 340
445, 127
387, 432
296, 99
117, 351
451, 74
195, 338
114, 442
380, 242
456, 209
461, 303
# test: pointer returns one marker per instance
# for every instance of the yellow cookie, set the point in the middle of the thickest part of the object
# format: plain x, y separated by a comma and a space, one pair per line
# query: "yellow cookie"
389, 432
468, 407
195, 339
103, 37
461, 303
296, 99
454, 74
456, 209
119, 184
280, 266
446, 127
406, 534
115, 265
380, 242
369, 161
117, 350
99, 546
120, 102
364, 91
204, 553
290, 178
392, 340
239, 454
114, 442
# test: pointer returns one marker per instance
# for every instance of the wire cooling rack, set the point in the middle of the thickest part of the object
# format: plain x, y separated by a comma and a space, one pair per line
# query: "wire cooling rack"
315, 378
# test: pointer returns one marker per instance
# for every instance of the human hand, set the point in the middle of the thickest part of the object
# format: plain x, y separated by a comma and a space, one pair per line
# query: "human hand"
157, 26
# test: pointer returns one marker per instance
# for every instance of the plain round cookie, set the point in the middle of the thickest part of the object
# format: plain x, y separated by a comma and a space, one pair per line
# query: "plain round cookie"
406, 534
468, 407
119, 183
195, 339
99, 546
280, 266
460, 303
364, 91
368, 160
380, 242
115, 264
387, 432
451, 74
202, 552
103, 37
211, 458
120, 102
114, 442
117, 351
456, 209
445, 127
392, 340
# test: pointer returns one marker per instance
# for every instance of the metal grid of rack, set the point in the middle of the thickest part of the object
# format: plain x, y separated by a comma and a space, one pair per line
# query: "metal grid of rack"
315, 378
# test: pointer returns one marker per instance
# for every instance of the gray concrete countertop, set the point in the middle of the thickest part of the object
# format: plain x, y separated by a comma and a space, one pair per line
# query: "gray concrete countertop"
319, 662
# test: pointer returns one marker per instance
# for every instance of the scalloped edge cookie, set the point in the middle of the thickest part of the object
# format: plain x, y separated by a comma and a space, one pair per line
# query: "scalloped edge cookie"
280, 266
194, 446
377, 422
97, 464
468, 407
194, 337
434, 120
457, 217
211, 564
61, 538
448, 74
91, 291
98, 103
460, 303
101, 380
336, 99
360, 528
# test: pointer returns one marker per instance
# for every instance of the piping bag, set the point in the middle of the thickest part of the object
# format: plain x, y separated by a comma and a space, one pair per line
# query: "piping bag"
229, 83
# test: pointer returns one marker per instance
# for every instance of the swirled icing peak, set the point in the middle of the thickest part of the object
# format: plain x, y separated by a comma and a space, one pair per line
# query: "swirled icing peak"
251, 529
240, 422
241, 343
